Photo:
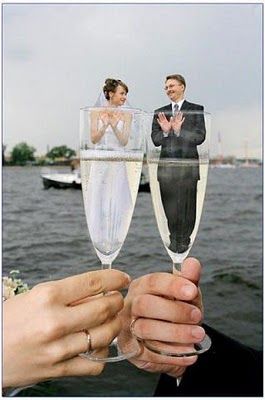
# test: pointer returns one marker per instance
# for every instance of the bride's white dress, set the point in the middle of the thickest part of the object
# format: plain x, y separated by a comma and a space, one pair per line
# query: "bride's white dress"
110, 201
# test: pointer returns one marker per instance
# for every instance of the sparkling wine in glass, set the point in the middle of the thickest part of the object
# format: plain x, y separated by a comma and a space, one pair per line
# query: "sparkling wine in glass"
178, 168
111, 165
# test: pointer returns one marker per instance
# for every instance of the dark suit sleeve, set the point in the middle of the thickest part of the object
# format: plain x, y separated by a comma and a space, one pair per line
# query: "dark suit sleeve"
229, 368
194, 130
157, 133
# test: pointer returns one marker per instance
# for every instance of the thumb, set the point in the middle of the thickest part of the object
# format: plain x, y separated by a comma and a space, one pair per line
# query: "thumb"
191, 269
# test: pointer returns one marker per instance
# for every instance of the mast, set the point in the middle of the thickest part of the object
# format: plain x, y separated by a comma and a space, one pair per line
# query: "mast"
220, 150
246, 153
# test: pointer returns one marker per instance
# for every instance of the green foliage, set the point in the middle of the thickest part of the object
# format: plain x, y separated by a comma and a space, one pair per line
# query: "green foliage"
3, 154
61, 152
22, 153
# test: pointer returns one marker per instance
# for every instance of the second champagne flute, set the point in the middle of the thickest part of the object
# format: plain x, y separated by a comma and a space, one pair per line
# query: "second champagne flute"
178, 168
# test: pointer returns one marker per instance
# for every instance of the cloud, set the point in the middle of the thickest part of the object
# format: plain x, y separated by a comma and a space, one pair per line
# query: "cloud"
57, 56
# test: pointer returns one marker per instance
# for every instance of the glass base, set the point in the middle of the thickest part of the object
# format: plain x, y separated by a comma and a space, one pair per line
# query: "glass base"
177, 350
115, 353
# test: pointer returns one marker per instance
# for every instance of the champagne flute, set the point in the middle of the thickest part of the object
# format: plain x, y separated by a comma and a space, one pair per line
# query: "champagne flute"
111, 162
178, 168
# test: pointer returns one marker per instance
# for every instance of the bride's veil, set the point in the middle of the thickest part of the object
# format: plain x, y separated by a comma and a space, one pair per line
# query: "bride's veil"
101, 100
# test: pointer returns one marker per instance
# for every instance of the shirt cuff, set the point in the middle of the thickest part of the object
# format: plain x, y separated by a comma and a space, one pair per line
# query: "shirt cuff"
178, 380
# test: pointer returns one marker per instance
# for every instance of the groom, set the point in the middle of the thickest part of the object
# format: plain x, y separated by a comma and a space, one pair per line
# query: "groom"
178, 128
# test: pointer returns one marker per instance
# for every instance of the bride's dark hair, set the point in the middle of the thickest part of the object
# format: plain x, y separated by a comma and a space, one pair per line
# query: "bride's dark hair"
111, 86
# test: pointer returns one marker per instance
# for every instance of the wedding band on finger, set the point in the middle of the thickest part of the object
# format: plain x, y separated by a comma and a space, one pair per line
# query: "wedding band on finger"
88, 338
132, 326
89, 349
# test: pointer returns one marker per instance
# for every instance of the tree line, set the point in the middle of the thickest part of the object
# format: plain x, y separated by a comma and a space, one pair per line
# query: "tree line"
23, 154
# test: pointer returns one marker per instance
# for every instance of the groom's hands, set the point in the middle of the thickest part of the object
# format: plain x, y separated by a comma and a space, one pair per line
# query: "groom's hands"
168, 308
177, 121
174, 123
165, 125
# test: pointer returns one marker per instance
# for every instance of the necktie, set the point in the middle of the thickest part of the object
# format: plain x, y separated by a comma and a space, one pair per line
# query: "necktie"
176, 107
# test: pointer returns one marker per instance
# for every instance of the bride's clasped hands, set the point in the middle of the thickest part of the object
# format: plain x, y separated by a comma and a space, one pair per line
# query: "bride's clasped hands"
115, 118
105, 118
111, 118
47, 328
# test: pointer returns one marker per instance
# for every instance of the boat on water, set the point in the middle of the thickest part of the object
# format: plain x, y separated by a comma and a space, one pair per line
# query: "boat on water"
73, 181
61, 180
223, 166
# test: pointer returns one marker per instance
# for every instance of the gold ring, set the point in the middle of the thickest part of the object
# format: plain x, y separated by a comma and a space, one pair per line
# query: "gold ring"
88, 338
132, 326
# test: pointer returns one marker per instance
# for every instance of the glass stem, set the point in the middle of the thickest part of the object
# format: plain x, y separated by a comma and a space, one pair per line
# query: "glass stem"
106, 266
176, 268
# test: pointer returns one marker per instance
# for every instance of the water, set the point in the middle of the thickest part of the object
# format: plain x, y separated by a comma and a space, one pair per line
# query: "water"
45, 237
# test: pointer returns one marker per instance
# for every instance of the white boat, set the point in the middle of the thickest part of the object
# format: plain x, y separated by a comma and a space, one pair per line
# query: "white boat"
223, 166
62, 180
73, 180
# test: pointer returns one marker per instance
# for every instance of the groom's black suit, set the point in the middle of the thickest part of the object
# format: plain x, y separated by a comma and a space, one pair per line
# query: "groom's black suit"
178, 185
228, 369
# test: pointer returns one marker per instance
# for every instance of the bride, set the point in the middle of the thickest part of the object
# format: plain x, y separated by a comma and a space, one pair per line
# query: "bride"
110, 199
110, 127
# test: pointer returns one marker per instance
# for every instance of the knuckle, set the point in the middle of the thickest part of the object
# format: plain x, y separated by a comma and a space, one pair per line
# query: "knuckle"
104, 309
182, 313
152, 281
52, 327
181, 333
146, 366
178, 317
116, 328
45, 293
174, 284
96, 368
142, 328
119, 301
139, 305
56, 352
62, 369
108, 333
134, 284
94, 282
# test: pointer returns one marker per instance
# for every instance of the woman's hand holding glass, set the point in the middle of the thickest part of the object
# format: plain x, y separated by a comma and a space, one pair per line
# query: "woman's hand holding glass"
47, 328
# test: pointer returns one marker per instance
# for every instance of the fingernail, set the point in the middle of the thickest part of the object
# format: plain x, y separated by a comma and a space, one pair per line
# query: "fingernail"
198, 332
128, 277
195, 315
187, 291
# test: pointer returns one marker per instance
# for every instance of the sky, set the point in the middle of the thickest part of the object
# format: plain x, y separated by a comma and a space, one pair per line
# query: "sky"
56, 57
